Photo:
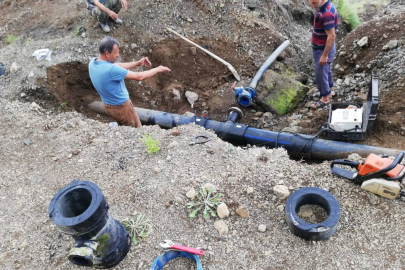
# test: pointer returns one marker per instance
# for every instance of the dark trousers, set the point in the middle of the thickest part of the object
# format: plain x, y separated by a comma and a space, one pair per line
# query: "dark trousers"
114, 5
323, 74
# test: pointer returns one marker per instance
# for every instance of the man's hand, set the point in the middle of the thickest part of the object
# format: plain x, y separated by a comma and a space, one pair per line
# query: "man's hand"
323, 60
124, 3
112, 15
145, 62
163, 69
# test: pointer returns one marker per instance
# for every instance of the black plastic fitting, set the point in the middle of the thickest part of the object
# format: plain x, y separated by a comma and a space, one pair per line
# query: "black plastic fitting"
81, 210
316, 196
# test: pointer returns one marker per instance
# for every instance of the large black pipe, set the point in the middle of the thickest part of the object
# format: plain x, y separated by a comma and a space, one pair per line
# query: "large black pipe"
296, 144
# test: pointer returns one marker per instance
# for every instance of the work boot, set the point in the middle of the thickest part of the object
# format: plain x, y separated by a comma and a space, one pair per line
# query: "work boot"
105, 27
119, 21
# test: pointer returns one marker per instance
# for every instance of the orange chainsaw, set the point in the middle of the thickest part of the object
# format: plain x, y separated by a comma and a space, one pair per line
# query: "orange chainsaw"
377, 174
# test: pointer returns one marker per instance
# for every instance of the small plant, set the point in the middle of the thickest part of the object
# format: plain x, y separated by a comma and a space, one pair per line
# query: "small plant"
63, 106
152, 145
140, 227
79, 30
11, 38
207, 200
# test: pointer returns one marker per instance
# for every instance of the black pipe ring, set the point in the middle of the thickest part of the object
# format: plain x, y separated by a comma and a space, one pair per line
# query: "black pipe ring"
316, 196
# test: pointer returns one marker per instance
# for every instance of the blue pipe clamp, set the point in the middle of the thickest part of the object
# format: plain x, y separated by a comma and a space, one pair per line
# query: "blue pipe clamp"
244, 96
161, 260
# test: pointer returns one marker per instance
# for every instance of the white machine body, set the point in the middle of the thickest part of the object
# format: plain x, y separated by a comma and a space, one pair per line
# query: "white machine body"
345, 119
382, 187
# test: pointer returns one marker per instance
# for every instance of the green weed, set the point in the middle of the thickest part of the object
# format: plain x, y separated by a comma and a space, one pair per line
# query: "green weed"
140, 227
63, 106
11, 38
152, 145
207, 201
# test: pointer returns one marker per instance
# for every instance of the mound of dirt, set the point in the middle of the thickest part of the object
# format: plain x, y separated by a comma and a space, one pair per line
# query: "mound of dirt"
379, 33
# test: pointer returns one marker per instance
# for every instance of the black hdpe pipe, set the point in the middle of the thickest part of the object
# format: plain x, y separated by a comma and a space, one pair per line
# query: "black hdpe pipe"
299, 145
81, 210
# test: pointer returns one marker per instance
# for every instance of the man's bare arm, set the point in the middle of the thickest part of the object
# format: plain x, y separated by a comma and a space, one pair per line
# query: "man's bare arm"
328, 46
103, 8
142, 62
140, 76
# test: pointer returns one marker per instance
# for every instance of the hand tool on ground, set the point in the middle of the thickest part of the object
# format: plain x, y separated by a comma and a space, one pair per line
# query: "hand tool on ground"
169, 245
230, 67
377, 174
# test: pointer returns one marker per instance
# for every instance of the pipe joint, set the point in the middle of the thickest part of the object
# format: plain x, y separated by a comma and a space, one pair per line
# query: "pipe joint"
245, 96
81, 210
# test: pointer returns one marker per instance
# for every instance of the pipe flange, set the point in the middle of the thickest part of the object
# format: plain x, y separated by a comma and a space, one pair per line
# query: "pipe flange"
236, 109
316, 196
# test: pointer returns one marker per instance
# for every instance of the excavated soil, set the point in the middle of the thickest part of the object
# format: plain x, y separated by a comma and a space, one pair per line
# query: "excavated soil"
379, 33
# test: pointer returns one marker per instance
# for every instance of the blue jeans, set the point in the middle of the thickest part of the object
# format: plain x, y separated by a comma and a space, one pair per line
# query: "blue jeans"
323, 74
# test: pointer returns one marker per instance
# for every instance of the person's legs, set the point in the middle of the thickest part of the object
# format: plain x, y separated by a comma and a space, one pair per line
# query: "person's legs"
114, 5
124, 114
322, 76
331, 56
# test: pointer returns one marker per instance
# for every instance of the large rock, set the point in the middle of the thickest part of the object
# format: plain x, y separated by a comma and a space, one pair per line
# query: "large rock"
363, 42
279, 94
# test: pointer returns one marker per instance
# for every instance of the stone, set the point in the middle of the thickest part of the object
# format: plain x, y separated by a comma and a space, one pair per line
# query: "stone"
281, 191
242, 212
209, 186
193, 50
392, 44
363, 42
251, 4
31, 75
223, 211
173, 144
249, 190
191, 97
221, 227
262, 228
191, 194
189, 114
175, 132
13, 67
157, 170
178, 199
176, 94
27, 142
386, 60
232, 179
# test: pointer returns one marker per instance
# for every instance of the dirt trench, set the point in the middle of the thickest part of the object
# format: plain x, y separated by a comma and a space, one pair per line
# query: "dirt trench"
191, 70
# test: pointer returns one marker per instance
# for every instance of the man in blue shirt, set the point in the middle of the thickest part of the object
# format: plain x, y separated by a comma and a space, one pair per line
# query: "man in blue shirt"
108, 79
102, 9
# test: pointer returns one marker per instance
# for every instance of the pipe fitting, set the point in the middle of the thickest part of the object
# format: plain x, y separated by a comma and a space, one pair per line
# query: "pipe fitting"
81, 210
244, 96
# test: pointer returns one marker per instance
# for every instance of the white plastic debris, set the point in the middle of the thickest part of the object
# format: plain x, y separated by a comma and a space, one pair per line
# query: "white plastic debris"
43, 54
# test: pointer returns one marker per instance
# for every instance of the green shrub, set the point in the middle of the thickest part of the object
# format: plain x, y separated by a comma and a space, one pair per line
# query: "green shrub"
152, 145
348, 13
140, 227
206, 200
63, 106
11, 38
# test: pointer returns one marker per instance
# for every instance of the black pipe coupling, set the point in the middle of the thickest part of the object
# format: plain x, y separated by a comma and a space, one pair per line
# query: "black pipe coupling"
81, 210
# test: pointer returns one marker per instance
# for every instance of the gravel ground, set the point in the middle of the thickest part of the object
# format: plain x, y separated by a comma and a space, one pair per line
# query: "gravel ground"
42, 152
